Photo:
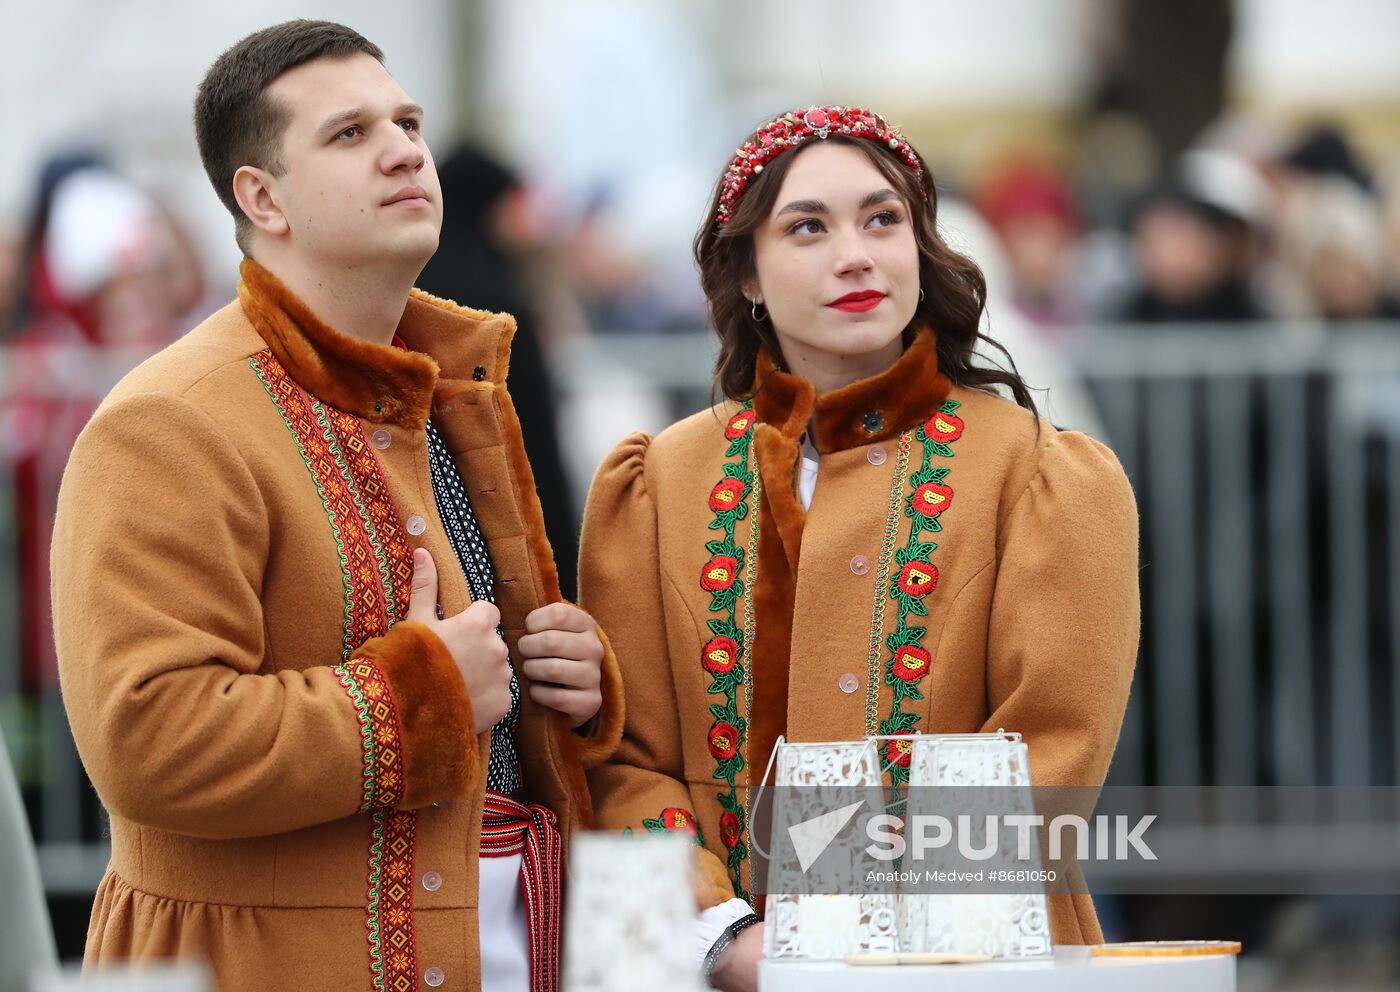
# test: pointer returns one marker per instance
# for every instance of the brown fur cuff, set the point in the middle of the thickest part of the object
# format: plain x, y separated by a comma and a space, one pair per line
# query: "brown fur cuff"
440, 755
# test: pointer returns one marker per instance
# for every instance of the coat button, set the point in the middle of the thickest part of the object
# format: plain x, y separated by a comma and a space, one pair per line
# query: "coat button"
415, 525
873, 422
433, 977
848, 683
876, 455
860, 564
432, 881
381, 439
479, 373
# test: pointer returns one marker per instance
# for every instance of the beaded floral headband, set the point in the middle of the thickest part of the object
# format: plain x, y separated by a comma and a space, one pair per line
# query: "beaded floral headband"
789, 131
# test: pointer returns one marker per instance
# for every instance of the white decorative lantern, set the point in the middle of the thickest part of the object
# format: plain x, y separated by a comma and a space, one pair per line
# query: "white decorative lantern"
1004, 925
814, 926
631, 911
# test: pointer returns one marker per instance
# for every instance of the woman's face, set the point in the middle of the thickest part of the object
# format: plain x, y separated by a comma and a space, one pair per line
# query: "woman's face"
837, 266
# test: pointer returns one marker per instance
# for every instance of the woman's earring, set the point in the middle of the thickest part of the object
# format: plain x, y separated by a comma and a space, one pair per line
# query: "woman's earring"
921, 294
753, 311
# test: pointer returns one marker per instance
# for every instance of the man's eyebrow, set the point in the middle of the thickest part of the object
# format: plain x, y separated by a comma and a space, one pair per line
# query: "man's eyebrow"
803, 207
335, 122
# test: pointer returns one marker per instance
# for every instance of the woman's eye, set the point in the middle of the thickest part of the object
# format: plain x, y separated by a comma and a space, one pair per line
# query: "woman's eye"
809, 226
885, 218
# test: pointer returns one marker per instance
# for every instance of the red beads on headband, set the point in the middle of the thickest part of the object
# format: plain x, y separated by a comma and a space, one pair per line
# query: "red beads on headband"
790, 130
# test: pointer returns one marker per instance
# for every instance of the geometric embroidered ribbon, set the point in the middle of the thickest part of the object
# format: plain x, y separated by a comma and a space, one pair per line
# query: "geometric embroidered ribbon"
509, 827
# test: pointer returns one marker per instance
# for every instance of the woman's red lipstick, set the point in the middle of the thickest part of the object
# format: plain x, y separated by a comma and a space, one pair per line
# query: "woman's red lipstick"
866, 299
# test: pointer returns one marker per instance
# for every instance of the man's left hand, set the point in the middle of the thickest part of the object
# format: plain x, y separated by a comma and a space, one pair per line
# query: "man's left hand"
563, 657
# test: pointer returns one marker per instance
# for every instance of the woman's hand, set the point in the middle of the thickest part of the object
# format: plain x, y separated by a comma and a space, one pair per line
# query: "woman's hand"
737, 967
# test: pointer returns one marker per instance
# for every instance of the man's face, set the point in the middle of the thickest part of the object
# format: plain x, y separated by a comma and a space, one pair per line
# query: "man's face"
359, 187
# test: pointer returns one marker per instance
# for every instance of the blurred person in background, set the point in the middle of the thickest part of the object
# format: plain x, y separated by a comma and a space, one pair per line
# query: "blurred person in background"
1338, 240
1193, 258
487, 224
847, 328
1332, 231
106, 278
1032, 209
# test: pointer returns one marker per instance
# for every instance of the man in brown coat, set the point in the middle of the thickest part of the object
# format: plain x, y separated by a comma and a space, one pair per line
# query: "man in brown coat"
296, 554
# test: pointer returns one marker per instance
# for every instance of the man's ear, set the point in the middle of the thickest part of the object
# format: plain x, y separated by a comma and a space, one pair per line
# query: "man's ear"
252, 188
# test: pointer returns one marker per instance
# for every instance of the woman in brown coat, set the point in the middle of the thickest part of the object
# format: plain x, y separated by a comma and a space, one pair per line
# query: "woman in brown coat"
864, 538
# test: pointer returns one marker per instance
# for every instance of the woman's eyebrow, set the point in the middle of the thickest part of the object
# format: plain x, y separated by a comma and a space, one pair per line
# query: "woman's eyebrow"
803, 207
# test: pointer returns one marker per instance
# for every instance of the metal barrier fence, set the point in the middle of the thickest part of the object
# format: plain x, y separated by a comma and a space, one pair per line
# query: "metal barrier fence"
1266, 463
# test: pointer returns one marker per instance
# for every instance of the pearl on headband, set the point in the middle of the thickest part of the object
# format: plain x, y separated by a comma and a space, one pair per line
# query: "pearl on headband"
795, 127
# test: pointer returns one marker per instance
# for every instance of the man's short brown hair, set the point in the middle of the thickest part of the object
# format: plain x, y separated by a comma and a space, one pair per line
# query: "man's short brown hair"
236, 123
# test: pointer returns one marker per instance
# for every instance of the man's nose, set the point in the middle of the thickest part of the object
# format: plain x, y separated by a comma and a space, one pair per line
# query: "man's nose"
403, 153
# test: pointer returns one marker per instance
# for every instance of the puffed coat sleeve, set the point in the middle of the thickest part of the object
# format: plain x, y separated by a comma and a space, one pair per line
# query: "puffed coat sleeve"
1063, 632
620, 585
183, 721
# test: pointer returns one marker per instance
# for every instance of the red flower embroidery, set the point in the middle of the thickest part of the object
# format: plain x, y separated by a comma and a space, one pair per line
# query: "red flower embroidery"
724, 741
931, 499
719, 573
679, 820
943, 427
729, 829
917, 578
739, 425
726, 495
911, 663
897, 752
719, 655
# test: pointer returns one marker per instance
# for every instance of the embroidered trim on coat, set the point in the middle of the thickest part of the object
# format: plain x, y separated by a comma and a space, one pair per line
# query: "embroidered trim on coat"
909, 661
379, 724
377, 572
724, 656
676, 820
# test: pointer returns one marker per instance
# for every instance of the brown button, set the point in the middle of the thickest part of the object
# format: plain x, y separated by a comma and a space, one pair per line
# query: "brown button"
848, 683
433, 977
860, 564
479, 373
873, 422
415, 525
381, 439
876, 455
432, 881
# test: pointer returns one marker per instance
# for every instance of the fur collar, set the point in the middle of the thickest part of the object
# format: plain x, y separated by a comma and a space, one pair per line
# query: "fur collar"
864, 412
378, 383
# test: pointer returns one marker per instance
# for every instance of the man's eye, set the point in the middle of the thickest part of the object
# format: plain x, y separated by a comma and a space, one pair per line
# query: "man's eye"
350, 132
409, 124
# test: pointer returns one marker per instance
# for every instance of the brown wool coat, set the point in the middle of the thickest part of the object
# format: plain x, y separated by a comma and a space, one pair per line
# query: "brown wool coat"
1032, 625
236, 521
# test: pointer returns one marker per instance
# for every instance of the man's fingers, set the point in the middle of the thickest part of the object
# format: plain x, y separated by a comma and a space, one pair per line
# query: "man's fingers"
559, 616
422, 596
578, 704
488, 614
564, 672
562, 644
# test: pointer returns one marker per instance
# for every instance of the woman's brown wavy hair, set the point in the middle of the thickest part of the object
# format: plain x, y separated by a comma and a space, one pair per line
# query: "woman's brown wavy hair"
955, 292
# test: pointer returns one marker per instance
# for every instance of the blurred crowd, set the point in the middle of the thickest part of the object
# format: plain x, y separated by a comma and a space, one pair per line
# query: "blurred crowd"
1250, 223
